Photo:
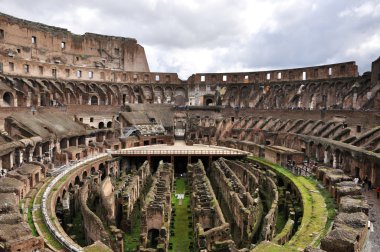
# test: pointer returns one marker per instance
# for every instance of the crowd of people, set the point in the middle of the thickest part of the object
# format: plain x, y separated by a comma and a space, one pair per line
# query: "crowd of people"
306, 169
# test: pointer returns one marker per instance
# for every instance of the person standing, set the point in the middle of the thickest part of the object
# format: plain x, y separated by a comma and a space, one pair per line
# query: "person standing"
378, 192
369, 185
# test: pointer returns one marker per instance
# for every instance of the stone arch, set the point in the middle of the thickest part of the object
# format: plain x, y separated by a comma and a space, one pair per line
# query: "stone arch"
84, 175
180, 96
109, 124
77, 180
58, 201
232, 97
319, 155
102, 168
71, 187
153, 235
209, 101
147, 93
8, 99
158, 94
127, 94
244, 97
63, 143
94, 100
101, 125
168, 91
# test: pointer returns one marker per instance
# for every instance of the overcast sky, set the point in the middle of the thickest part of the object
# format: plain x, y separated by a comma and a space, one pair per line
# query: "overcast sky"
192, 36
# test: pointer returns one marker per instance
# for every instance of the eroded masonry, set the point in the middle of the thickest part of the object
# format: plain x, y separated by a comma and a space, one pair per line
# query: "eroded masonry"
100, 154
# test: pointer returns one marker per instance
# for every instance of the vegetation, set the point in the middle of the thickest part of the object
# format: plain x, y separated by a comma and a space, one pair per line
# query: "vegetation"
30, 218
182, 232
131, 240
39, 221
281, 221
76, 229
315, 210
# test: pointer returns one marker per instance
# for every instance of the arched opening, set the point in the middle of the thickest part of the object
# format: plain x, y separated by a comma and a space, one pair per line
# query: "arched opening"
109, 124
180, 100
8, 100
102, 168
77, 180
36, 178
93, 170
84, 175
63, 143
101, 125
82, 140
153, 235
94, 100
209, 102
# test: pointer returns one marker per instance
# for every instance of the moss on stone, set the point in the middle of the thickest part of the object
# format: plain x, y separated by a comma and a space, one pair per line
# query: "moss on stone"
315, 214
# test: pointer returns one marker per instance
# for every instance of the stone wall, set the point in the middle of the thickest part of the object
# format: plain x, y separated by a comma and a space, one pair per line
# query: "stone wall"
155, 216
208, 220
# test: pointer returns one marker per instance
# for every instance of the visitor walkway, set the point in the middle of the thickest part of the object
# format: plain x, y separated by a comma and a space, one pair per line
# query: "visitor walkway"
180, 149
373, 242
63, 238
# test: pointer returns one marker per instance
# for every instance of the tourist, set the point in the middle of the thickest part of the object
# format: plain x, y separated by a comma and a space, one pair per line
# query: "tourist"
356, 180
378, 192
366, 180
369, 185
363, 186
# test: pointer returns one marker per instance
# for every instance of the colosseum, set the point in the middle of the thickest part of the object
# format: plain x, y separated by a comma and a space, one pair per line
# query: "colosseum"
98, 153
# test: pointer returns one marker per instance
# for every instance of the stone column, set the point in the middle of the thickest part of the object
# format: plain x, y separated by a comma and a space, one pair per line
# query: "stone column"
334, 160
29, 99
326, 160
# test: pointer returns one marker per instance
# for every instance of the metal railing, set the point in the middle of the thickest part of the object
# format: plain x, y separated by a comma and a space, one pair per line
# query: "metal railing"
47, 219
180, 152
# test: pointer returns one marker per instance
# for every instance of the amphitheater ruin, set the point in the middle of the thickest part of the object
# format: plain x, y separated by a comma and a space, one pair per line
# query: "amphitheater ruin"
100, 154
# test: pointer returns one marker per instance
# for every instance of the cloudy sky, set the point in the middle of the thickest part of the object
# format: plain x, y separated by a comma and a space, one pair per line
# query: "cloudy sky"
192, 36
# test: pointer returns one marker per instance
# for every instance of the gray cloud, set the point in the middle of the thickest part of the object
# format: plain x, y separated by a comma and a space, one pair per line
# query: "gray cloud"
208, 36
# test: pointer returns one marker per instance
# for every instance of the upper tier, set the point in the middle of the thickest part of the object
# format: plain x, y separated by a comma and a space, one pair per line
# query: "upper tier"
40, 43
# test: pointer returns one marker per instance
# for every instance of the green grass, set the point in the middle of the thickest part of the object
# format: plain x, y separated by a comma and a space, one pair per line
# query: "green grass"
315, 213
49, 238
281, 221
181, 239
30, 218
77, 229
331, 210
131, 240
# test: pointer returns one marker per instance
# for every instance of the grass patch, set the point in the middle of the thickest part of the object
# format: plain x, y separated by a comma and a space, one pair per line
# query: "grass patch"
49, 238
77, 230
331, 210
315, 213
281, 221
131, 240
30, 218
182, 232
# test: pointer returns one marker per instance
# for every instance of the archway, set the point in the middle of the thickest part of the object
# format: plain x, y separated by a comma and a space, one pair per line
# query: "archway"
109, 124
8, 100
102, 168
101, 125
84, 175
94, 100
153, 235
77, 180
209, 102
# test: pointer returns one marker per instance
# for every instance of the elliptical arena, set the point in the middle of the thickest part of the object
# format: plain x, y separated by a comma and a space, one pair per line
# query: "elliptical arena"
100, 154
